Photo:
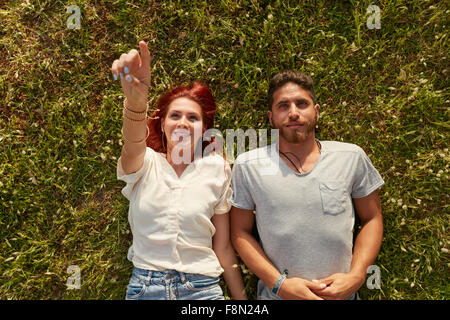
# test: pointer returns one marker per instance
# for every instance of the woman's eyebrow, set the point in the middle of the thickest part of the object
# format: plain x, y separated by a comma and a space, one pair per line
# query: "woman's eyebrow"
189, 113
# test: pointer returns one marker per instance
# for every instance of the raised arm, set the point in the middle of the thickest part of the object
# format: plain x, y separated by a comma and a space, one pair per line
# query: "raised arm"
133, 71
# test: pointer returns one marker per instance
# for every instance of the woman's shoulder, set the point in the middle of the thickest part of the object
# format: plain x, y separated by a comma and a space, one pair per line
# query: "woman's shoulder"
155, 155
215, 161
214, 157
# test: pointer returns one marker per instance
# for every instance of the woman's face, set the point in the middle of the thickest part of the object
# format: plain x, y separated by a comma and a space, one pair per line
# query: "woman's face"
183, 124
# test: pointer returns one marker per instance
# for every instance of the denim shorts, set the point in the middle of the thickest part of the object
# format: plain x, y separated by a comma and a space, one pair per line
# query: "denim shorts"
172, 285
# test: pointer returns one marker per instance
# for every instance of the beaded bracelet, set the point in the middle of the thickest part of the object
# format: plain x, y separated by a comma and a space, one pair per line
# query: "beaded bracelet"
136, 120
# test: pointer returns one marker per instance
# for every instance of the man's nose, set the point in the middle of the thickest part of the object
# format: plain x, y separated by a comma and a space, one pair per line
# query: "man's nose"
293, 112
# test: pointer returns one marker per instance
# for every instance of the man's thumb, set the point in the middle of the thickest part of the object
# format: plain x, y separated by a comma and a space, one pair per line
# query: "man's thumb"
315, 284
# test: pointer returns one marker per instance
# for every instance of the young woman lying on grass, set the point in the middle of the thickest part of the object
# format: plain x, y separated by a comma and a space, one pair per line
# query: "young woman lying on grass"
178, 203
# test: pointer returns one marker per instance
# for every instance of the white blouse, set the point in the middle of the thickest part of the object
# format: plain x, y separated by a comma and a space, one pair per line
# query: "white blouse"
170, 216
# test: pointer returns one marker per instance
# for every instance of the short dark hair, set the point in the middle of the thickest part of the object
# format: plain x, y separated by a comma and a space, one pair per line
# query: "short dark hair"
297, 77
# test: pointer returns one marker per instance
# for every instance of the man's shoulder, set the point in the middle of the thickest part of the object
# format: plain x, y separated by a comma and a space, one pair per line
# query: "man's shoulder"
254, 154
337, 146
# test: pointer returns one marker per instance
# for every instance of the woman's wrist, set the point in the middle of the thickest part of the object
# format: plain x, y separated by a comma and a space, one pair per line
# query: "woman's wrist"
137, 109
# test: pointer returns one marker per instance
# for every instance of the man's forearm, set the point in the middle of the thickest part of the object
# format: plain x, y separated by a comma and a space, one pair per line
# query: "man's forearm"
367, 245
255, 259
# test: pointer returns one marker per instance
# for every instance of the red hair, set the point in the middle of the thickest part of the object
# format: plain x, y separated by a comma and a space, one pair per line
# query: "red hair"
197, 92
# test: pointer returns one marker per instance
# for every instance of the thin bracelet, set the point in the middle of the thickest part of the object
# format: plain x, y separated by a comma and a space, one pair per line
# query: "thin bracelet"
123, 136
277, 286
136, 112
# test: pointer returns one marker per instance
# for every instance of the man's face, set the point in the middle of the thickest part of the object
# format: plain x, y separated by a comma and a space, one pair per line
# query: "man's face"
293, 113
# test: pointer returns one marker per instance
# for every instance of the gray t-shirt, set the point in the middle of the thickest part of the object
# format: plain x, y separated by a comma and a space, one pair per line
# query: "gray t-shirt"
305, 221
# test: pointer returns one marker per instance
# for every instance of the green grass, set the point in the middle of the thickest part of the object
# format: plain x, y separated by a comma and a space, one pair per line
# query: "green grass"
60, 118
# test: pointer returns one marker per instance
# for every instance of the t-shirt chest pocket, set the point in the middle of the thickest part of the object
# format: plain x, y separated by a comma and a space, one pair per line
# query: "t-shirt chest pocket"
333, 196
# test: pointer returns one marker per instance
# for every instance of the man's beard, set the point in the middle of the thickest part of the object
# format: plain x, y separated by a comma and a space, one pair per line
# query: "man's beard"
297, 136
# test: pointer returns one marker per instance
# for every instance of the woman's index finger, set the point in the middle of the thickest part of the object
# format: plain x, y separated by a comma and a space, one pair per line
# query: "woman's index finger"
145, 53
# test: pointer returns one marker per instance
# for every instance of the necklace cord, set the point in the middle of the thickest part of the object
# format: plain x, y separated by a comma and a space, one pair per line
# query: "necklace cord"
284, 154
291, 160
